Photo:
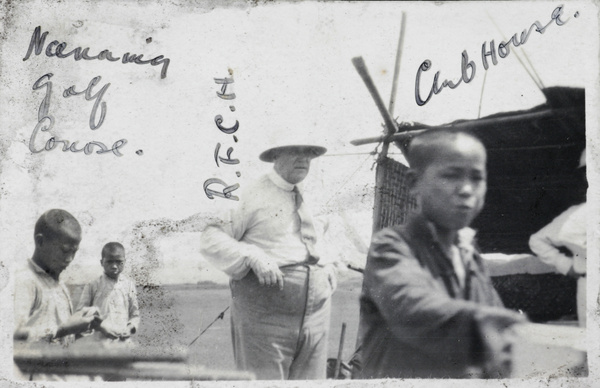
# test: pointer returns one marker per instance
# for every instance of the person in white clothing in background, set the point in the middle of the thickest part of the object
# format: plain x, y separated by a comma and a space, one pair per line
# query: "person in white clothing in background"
562, 244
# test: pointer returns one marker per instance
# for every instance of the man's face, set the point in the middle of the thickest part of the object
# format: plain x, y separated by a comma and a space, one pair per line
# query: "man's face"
57, 253
452, 188
113, 263
293, 166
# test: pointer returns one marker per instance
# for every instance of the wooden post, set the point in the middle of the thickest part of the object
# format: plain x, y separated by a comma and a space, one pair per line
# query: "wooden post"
338, 361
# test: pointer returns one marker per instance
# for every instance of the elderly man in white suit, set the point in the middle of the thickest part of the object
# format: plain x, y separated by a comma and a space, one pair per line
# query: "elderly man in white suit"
280, 285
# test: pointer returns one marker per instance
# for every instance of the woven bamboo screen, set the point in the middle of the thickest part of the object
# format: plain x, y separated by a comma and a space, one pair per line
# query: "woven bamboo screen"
394, 195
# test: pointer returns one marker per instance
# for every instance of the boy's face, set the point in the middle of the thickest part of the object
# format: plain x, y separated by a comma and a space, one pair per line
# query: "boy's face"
58, 252
113, 263
452, 187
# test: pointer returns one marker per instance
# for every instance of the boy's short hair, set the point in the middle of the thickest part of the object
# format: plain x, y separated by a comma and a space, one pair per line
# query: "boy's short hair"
55, 222
423, 147
112, 248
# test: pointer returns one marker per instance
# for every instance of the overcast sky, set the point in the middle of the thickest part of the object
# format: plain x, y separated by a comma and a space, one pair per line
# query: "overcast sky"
294, 82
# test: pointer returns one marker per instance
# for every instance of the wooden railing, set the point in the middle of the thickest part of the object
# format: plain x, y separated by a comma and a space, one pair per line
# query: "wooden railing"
116, 360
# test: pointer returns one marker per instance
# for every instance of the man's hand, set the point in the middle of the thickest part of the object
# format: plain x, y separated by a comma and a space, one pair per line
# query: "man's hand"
78, 322
331, 276
573, 274
268, 273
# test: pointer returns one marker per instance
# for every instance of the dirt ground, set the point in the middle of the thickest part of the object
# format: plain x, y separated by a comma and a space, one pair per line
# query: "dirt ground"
173, 315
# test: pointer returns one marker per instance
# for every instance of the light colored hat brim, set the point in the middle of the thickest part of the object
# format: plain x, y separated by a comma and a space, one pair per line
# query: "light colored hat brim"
270, 154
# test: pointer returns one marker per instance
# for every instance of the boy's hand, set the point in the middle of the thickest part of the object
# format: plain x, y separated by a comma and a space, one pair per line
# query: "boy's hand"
124, 335
21, 334
77, 323
90, 311
131, 328
496, 330
109, 331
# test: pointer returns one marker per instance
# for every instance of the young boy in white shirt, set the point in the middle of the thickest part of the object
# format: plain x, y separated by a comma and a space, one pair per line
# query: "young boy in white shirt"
114, 295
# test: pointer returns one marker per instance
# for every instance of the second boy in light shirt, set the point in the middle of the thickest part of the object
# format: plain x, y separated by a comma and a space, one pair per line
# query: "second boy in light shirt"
115, 296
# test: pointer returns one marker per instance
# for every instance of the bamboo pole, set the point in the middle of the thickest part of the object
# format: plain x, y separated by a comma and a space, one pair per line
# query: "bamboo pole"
361, 68
390, 124
466, 125
392, 104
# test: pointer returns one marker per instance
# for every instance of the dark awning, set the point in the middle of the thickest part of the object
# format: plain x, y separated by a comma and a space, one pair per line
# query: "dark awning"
532, 160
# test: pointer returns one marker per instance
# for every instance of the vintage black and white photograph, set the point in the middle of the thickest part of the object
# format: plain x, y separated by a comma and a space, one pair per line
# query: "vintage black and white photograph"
284, 193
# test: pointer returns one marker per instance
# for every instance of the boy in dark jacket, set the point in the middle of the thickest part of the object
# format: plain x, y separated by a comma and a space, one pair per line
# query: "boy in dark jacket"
428, 308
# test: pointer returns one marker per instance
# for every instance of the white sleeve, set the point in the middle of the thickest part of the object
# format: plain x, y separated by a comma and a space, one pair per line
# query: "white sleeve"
221, 245
545, 244
573, 232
